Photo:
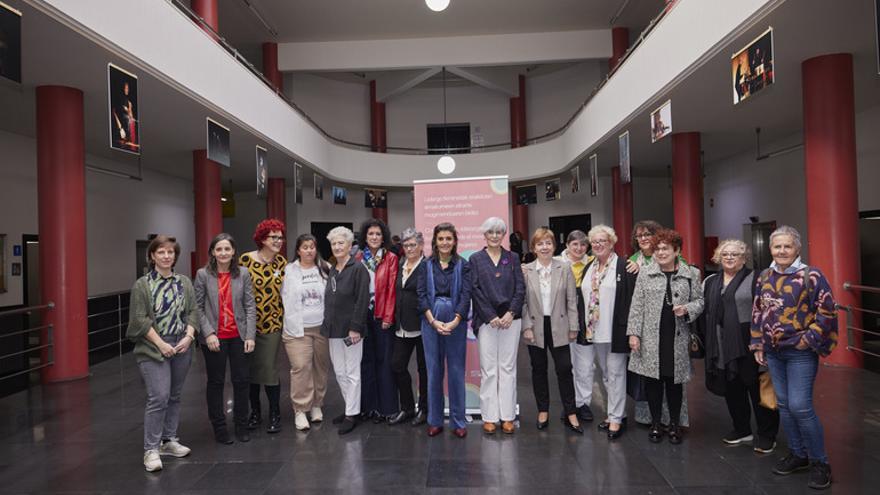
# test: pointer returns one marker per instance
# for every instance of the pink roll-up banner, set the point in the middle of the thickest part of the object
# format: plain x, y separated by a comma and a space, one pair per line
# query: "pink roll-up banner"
465, 203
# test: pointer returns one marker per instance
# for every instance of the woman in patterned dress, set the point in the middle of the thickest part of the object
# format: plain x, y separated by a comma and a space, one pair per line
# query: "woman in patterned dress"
266, 268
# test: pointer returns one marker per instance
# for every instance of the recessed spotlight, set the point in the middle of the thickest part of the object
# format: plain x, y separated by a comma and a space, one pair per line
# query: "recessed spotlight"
437, 5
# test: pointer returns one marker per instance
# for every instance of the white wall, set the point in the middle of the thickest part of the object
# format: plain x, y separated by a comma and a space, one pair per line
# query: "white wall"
118, 213
340, 108
552, 99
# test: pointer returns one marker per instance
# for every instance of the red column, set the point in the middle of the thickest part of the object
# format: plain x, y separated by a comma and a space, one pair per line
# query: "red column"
270, 66
518, 116
381, 214
208, 208
207, 10
377, 121
622, 212
61, 200
687, 195
831, 173
276, 201
521, 220
619, 46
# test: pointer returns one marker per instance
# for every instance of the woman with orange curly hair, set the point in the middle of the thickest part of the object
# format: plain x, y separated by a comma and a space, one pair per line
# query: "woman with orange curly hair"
266, 267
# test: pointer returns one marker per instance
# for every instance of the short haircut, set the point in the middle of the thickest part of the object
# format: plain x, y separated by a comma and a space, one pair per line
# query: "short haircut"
159, 241
667, 236
788, 230
576, 235
264, 228
603, 229
375, 222
344, 232
493, 224
651, 226
444, 227
540, 234
736, 244
411, 233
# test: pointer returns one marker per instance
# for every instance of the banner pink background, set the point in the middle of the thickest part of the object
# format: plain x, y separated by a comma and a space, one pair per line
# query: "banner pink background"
465, 203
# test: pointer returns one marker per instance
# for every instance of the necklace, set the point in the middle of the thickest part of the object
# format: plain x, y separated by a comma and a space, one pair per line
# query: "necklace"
667, 294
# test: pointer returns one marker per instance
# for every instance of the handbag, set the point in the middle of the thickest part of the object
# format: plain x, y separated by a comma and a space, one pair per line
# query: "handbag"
635, 386
765, 387
696, 348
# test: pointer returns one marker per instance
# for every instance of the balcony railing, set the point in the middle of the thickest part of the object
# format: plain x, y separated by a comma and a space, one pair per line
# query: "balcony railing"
852, 310
20, 334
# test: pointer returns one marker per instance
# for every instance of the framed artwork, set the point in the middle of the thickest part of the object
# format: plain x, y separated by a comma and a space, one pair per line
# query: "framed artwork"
623, 150
298, 183
218, 143
661, 122
262, 172
751, 68
552, 190
375, 198
527, 195
122, 93
594, 175
3, 263
319, 187
10, 43
575, 179
339, 195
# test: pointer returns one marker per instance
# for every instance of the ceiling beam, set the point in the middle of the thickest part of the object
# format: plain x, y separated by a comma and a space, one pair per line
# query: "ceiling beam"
501, 79
461, 51
396, 83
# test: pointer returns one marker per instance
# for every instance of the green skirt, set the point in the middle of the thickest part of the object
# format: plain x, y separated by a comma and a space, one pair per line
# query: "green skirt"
264, 359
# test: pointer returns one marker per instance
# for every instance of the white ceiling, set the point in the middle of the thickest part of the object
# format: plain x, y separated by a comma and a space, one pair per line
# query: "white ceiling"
338, 20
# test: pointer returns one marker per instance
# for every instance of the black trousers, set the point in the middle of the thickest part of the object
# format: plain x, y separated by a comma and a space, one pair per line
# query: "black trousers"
378, 389
403, 348
564, 377
231, 350
674, 394
737, 395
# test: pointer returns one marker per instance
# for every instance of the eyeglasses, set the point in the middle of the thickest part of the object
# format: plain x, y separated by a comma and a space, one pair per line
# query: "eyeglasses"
644, 235
599, 242
275, 238
731, 255
410, 245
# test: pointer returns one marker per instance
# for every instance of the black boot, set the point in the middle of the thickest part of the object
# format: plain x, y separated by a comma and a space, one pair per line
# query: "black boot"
256, 417
274, 425
273, 392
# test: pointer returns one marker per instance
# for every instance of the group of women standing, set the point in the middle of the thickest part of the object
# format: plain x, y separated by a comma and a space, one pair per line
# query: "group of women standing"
367, 312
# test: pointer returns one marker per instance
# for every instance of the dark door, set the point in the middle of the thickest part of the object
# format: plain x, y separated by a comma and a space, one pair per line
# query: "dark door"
320, 231
441, 137
562, 226
869, 231
760, 244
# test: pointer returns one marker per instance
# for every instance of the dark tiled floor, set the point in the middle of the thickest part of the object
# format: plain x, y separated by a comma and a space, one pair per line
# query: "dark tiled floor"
85, 437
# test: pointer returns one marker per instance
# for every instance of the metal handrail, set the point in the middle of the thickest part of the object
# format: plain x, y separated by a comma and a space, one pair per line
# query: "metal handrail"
27, 310
32, 368
104, 346
27, 330
409, 150
29, 349
121, 308
862, 288
111, 327
850, 337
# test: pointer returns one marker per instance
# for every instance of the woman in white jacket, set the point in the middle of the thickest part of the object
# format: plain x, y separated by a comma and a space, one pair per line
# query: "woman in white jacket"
302, 294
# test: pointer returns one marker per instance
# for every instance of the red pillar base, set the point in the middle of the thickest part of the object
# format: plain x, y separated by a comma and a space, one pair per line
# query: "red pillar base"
62, 227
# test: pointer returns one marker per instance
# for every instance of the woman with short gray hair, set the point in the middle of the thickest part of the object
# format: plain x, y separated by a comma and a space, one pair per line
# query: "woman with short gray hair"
498, 291
408, 335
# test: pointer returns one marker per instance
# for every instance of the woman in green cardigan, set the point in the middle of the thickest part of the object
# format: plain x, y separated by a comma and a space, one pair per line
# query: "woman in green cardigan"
162, 324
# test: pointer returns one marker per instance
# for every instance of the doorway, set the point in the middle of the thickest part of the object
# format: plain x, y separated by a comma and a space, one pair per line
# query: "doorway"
562, 226
320, 231
449, 136
869, 233
758, 237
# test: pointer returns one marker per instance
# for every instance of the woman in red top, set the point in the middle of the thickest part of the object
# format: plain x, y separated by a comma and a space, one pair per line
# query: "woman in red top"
378, 389
228, 316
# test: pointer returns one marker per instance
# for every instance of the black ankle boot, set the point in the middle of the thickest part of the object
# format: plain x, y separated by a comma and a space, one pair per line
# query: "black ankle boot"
274, 425
656, 433
256, 417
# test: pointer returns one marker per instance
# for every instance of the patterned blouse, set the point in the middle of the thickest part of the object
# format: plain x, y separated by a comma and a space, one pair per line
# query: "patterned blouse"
267, 279
169, 303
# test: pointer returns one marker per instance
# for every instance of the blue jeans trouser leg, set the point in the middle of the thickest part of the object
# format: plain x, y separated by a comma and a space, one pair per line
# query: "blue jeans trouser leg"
793, 373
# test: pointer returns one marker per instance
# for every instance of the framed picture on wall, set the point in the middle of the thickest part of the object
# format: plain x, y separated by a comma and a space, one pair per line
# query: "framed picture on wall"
661, 122
751, 68
298, 183
10, 43
551, 190
375, 198
122, 92
527, 195
623, 150
2, 262
262, 172
319, 187
339, 195
594, 175
218, 143
575, 179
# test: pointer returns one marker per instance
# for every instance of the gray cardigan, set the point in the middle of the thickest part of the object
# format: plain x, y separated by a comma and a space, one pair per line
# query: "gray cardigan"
243, 305
563, 303
644, 318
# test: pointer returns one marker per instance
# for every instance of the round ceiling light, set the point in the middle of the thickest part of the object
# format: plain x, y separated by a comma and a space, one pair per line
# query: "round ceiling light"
446, 165
437, 5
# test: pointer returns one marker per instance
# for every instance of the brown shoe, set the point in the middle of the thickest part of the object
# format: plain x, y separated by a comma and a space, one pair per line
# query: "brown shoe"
489, 428
508, 427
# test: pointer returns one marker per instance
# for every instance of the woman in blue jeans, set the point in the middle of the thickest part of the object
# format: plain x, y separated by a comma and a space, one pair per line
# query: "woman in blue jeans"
794, 321
444, 290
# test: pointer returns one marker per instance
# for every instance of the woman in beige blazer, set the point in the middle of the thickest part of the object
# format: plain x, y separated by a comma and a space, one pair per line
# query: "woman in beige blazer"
550, 322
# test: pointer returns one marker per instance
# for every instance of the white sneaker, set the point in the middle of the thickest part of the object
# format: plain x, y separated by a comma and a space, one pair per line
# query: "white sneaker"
301, 421
317, 415
152, 462
174, 449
